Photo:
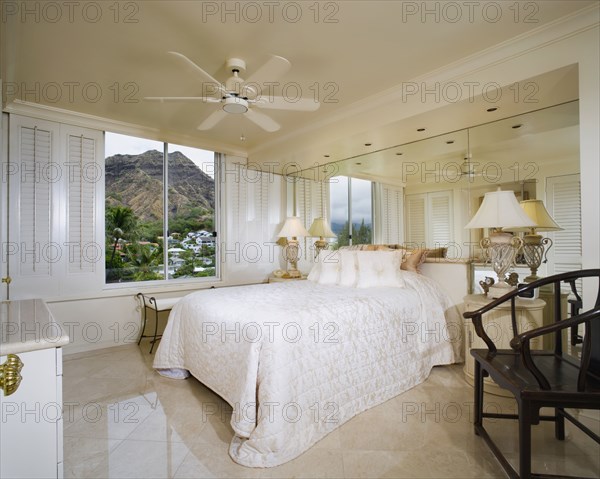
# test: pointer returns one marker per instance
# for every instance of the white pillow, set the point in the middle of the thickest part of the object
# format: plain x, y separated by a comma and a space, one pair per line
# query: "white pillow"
329, 267
379, 268
348, 268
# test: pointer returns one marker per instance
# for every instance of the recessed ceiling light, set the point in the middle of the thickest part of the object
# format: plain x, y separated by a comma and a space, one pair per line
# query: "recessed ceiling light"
517, 126
368, 144
420, 129
494, 108
449, 142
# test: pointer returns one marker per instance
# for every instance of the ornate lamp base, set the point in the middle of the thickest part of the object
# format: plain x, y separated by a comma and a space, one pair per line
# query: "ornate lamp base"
501, 250
291, 254
533, 251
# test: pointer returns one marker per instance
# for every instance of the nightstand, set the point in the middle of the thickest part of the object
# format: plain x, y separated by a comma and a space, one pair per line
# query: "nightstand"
273, 279
497, 325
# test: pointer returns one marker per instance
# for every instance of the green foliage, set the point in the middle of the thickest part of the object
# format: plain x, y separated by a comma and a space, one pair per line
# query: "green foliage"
361, 234
120, 218
145, 260
194, 219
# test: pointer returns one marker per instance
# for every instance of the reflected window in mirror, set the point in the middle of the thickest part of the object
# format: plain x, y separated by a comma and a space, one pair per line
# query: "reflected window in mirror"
351, 210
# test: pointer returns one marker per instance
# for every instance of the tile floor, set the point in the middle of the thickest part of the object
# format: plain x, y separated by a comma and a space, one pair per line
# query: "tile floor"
123, 420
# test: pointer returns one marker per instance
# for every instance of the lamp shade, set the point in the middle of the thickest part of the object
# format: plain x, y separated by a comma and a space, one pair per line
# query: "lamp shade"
500, 209
293, 227
536, 210
321, 228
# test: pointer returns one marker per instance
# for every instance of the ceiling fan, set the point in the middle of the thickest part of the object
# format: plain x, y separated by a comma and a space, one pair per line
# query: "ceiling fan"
239, 96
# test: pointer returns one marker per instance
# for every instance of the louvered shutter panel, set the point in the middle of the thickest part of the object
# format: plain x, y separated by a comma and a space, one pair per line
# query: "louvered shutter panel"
415, 219
34, 180
391, 215
37, 171
563, 201
309, 205
254, 201
81, 204
439, 218
56, 208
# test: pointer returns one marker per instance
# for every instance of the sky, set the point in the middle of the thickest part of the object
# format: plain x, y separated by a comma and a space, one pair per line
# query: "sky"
361, 200
130, 145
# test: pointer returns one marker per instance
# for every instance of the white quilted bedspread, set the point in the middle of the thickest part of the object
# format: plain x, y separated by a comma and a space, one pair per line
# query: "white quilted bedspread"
297, 359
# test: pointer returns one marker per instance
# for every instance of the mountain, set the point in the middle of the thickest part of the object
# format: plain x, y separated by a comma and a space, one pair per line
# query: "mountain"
136, 181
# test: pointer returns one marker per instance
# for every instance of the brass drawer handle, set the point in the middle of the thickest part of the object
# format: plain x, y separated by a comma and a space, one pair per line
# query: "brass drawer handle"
10, 374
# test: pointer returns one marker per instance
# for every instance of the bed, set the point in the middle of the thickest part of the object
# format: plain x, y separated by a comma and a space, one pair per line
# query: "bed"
297, 359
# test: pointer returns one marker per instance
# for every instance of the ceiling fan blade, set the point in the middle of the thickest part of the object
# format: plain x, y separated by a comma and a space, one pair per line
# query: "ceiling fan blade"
274, 68
212, 119
206, 76
163, 99
281, 103
265, 122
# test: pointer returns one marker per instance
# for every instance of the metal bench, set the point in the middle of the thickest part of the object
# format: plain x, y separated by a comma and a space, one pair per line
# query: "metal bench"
158, 306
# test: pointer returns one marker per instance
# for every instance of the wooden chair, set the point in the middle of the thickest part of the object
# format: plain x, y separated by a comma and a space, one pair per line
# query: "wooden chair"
541, 378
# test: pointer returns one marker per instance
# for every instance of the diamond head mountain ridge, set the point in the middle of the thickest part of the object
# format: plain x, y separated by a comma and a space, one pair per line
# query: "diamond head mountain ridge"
136, 181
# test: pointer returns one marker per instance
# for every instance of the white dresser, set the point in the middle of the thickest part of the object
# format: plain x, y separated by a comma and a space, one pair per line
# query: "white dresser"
31, 428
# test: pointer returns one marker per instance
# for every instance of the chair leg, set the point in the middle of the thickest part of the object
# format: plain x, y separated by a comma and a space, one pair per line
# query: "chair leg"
559, 424
153, 342
478, 386
143, 324
524, 441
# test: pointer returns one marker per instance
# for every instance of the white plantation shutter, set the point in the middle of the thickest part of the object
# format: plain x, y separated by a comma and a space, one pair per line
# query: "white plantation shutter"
53, 210
429, 220
391, 215
439, 218
37, 170
310, 197
415, 219
254, 201
563, 201
81, 205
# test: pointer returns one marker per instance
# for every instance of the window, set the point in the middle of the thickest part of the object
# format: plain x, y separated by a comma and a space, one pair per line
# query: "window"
351, 210
155, 191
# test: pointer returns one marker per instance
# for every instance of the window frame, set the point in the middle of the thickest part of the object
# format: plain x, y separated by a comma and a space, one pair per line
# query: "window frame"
217, 162
349, 207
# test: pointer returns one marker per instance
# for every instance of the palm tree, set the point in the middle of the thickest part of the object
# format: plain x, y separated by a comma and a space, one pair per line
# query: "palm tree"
121, 222
144, 259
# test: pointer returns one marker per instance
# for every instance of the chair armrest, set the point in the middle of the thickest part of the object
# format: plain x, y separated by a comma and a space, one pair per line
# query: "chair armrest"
521, 342
518, 341
476, 319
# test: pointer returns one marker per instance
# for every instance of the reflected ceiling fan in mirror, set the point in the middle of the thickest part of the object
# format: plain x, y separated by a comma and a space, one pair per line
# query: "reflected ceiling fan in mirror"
238, 96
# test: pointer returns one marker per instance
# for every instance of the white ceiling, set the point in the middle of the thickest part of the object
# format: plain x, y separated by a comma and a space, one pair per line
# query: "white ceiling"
367, 49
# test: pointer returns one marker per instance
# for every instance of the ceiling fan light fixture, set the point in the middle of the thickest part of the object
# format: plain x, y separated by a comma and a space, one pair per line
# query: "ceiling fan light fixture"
235, 104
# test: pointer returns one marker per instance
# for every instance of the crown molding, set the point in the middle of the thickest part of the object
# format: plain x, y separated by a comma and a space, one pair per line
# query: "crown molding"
50, 113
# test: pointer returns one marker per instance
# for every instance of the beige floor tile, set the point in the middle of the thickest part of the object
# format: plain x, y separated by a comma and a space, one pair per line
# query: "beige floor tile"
125, 420
142, 459
83, 455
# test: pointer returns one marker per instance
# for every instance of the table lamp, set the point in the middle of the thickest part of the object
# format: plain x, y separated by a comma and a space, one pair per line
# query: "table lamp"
534, 244
499, 210
292, 229
321, 228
